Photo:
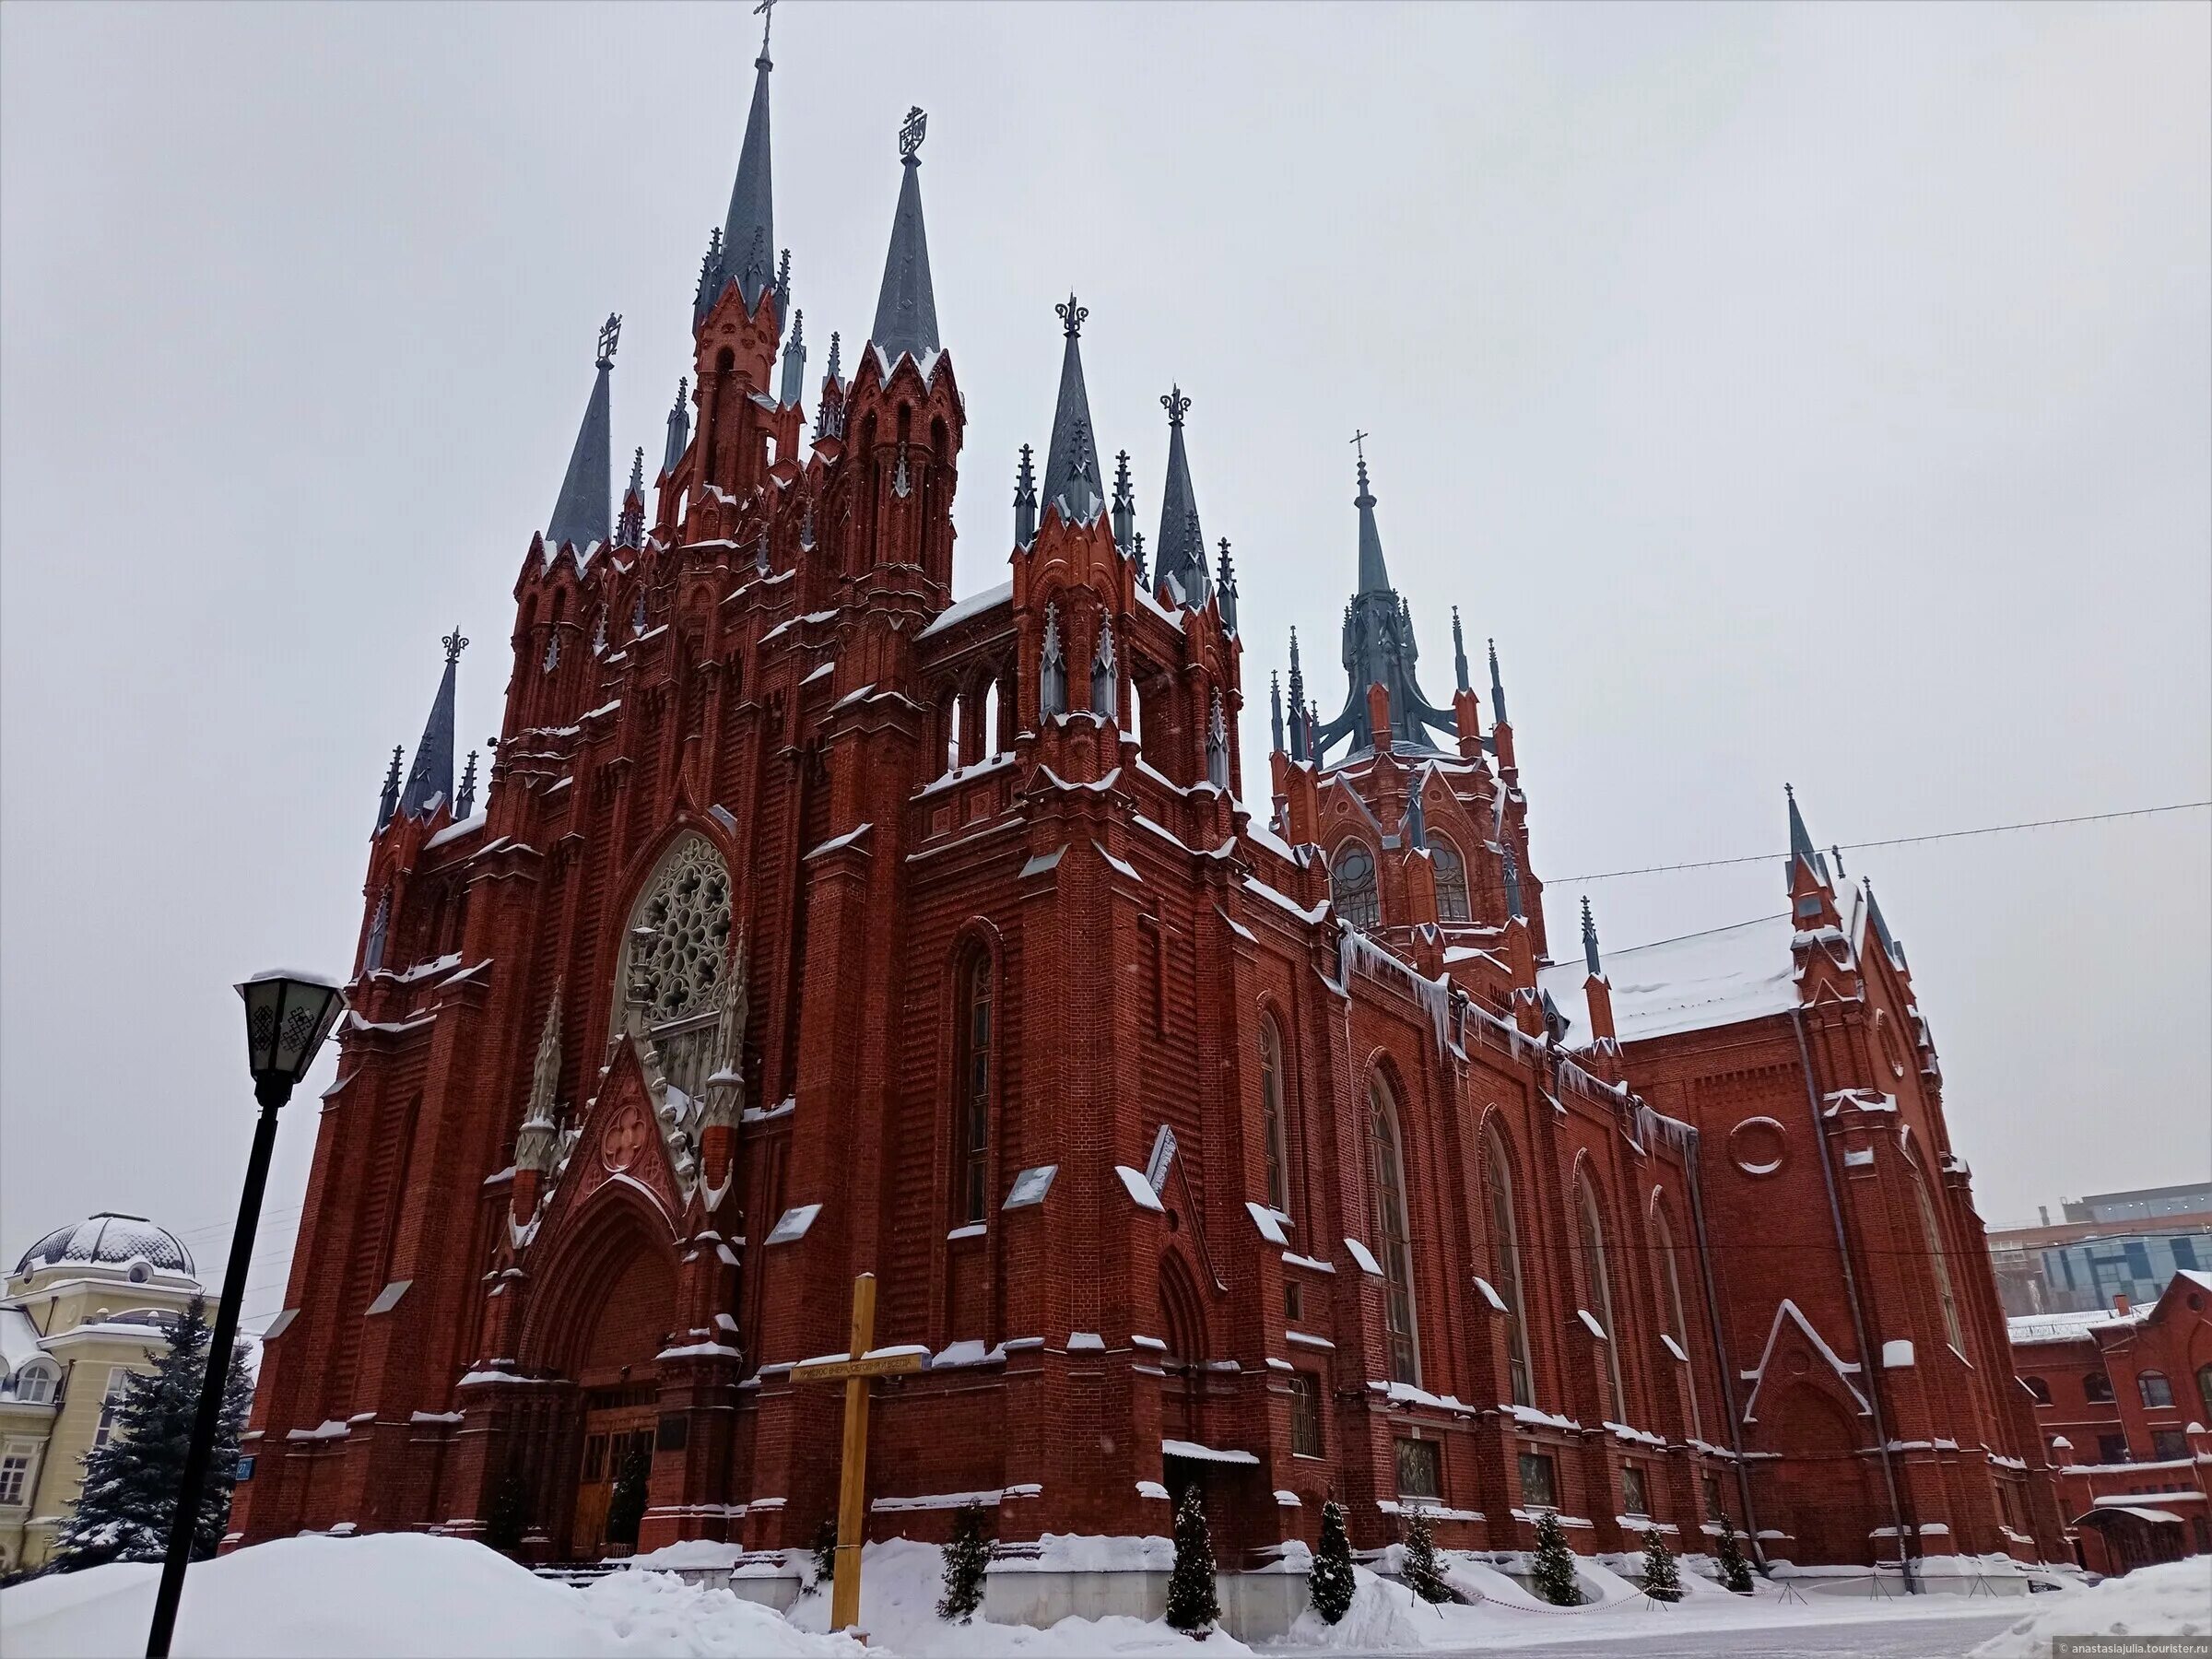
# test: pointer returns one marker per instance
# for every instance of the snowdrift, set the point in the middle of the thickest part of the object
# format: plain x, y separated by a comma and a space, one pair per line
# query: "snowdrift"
2174, 1599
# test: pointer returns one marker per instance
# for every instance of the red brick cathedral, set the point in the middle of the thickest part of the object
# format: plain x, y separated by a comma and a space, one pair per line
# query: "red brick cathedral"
818, 920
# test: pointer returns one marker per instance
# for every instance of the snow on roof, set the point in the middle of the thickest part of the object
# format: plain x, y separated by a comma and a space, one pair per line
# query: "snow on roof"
1686, 984
19, 1337
975, 605
2055, 1327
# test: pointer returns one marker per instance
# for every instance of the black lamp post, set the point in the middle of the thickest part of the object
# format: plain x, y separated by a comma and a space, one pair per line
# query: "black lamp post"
288, 1016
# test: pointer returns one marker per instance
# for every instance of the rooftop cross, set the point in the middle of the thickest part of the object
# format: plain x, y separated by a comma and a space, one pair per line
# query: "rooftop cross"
766, 12
912, 133
610, 335
1176, 405
454, 645
1071, 315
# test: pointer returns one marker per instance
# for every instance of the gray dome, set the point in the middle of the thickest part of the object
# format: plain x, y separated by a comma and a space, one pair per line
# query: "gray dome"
109, 1239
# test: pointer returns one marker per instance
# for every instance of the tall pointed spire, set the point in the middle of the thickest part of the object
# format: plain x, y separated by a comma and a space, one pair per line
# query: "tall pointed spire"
1590, 956
1071, 465
679, 427
630, 529
1297, 704
1125, 505
389, 803
1181, 552
906, 308
1225, 588
794, 362
430, 779
1025, 501
1497, 689
1374, 576
1801, 845
749, 233
584, 510
1459, 651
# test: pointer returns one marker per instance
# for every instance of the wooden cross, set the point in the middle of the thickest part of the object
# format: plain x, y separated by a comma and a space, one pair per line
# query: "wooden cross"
856, 1368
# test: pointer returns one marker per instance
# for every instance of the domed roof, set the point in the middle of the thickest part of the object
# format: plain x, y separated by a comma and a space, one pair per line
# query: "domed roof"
109, 1239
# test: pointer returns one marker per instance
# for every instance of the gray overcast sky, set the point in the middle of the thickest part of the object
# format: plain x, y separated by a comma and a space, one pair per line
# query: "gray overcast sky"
1805, 393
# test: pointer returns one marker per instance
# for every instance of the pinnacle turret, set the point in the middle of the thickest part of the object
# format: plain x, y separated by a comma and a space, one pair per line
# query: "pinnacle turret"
1225, 588
1297, 704
1071, 465
583, 511
1802, 849
794, 362
1459, 652
1025, 501
389, 803
1275, 709
630, 528
430, 779
1181, 573
679, 427
906, 308
1125, 505
1590, 956
465, 802
1497, 689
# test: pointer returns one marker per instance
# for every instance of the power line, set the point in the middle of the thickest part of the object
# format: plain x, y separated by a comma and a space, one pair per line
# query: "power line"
1896, 840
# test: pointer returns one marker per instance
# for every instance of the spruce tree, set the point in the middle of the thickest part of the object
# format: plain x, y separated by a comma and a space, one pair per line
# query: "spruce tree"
626, 1504
130, 1486
1193, 1606
1420, 1572
1552, 1571
1661, 1580
1736, 1573
510, 1516
965, 1558
824, 1554
1330, 1582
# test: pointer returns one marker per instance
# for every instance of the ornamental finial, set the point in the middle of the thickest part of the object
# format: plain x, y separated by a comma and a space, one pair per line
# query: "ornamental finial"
611, 335
766, 12
1176, 405
911, 133
1071, 316
454, 645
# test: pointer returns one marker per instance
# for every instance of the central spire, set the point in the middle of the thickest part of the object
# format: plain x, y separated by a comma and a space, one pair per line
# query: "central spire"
582, 513
1072, 480
748, 234
906, 308
1374, 575
1182, 567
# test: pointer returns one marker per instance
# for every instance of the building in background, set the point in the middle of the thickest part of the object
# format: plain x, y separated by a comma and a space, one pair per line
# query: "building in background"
2108, 1245
2123, 1398
87, 1306
817, 922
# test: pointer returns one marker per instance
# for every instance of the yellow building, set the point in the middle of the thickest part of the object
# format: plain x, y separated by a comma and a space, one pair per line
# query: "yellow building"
87, 1305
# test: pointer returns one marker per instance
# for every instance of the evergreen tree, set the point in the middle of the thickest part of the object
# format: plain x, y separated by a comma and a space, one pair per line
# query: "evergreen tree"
1193, 1608
130, 1488
1420, 1572
1330, 1581
1661, 1580
626, 1504
965, 1558
824, 1554
510, 1516
1552, 1572
1736, 1573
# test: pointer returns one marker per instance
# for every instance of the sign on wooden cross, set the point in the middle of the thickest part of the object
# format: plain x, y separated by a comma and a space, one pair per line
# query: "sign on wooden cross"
854, 1368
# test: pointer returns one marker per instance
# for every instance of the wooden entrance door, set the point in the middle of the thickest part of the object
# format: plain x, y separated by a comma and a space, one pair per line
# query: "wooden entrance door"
616, 1423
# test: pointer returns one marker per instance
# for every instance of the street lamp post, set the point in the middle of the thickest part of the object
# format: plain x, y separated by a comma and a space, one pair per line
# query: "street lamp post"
288, 1016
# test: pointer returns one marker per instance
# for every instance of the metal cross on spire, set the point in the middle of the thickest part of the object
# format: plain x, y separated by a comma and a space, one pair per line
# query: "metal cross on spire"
766, 12
1176, 405
454, 645
913, 131
610, 335
1071, 315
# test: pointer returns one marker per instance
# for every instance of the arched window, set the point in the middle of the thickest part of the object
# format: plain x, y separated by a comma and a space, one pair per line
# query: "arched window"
953, 711
2097, 1388
1505, 1262
1391, 1235
33, 1385
673, 960
2155, 1390
1670, 1311
991, 738
1939, 1264
972, 1090
1272, 1131
1601, 1291
1352, 884
1451, 880
2204, 1389
2039, 1388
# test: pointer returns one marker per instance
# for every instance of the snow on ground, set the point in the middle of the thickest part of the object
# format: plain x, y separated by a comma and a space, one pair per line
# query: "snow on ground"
2174, 1599
390, 1595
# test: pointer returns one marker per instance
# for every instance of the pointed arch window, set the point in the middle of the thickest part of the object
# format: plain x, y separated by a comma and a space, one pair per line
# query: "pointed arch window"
1671, 1318
1352, 885
1451, 880
1391, 1236
1272, 1130
1505, 1262
971, 1088
673, 959
1939, 1263
1600, 1288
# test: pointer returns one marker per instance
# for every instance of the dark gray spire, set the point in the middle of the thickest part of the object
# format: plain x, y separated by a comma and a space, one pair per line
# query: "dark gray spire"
1297, 704
1071, 461
584, 510
679, 427
1459, 651
1124, 504
1801, 845
1891, 945
389, 804
794, 362
1512, 886
749, 233
1417, 817
1136, 558
1025, 501
906, 308
1590, 956
431, 780
466, 802
1374, 576
630, 529
1225, 588
1181, 569
1497, 688
1274, 708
